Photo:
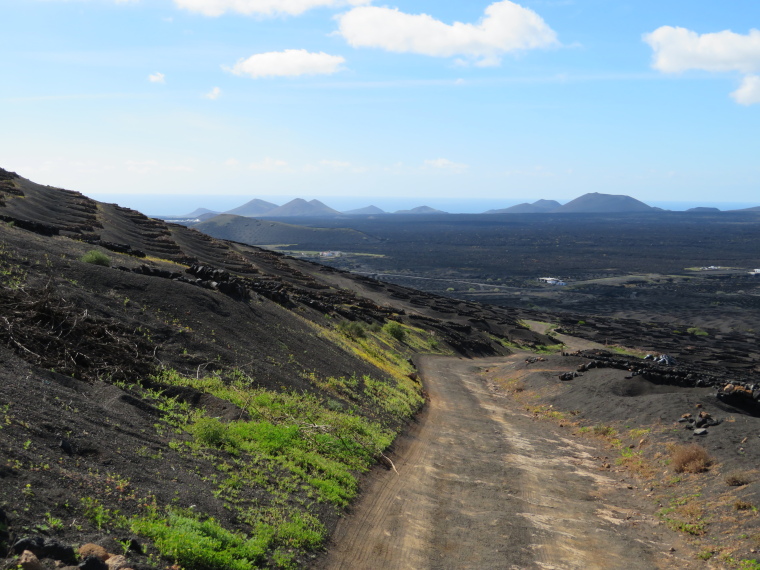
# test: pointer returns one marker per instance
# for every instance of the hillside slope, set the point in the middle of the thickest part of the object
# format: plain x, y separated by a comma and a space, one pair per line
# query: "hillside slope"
155, 377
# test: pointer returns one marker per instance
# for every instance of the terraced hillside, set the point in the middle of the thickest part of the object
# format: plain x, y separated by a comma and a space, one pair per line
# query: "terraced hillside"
178, 399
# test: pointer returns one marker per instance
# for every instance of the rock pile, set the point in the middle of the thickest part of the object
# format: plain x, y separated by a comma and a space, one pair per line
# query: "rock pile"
700, 423
32, 550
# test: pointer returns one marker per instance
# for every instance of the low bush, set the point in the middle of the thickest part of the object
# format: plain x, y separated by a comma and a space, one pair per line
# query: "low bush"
738, 478
352, 329
96, 257
692, 458
395, 330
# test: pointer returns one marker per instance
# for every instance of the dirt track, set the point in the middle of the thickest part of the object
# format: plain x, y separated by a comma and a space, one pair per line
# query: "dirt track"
481, 484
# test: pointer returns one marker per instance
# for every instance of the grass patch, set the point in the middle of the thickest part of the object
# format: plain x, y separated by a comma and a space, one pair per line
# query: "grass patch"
685, 514
96, 257
196, 543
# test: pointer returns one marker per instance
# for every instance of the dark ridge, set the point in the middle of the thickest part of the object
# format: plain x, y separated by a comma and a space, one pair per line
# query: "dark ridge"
7, 175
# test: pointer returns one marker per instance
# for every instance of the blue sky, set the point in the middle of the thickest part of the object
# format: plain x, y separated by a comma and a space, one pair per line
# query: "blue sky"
355, 101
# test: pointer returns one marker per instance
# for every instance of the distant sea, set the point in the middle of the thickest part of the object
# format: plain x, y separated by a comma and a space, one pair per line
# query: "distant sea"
158, 205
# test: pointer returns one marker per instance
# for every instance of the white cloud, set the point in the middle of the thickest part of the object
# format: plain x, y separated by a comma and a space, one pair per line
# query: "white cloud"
262, 7
506, 27
340, 166
157, 77
679, 49
446, 164
231, 162
749, 92
336, 164
288, 63
269, 165
214, 94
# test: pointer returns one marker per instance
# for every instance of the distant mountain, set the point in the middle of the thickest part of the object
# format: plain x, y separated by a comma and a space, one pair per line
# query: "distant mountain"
596, 203
538, 207
198, 213
703, 209
253, 208
755, 209
421, 210
368, 211
300, 207
255, 231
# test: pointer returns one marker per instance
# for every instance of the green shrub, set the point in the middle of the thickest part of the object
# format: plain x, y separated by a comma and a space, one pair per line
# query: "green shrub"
210, 432
696, 331
97, 258
395, 330
352, 329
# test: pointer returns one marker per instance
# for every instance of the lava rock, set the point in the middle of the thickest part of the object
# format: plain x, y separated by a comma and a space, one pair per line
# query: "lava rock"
4, 536
700, 431
45, 548
92, 563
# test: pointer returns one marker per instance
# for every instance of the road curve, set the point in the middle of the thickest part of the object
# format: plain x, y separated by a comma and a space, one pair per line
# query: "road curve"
481, 484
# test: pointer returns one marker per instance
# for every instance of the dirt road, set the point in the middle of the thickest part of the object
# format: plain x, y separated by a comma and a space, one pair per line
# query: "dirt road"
481, 484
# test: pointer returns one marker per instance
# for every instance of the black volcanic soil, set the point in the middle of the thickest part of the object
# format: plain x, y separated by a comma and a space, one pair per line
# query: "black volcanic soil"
510, 247
80, 344
76, 336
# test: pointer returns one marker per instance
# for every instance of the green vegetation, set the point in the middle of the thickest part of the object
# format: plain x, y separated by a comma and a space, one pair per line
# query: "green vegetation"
285, 454
352, 329
395, 330
96, 257
196, 543
696, 331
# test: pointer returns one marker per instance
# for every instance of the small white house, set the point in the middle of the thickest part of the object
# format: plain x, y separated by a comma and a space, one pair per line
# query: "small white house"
552, 281
330, 254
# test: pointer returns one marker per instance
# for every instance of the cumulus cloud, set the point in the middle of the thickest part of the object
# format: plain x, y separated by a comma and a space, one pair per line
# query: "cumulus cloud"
506, 27
446, 164
262, 7
677, 50
214, 94
157, 77
288, 63
749, 92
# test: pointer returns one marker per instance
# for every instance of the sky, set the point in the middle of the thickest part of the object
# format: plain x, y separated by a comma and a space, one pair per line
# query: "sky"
180, 103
